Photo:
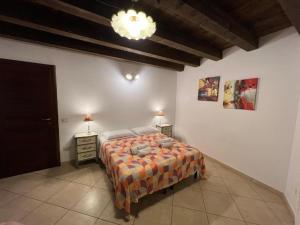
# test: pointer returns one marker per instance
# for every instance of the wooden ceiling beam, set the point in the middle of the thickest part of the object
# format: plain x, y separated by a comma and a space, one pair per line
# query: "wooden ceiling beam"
292, 10
165, 34
40, 37
207, 15
44, 19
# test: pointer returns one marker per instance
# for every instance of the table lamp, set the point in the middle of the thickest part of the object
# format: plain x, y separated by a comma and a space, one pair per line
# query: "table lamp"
160, 114
88, 119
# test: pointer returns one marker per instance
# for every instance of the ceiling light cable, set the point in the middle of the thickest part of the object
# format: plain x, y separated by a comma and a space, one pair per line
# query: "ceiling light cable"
108, 4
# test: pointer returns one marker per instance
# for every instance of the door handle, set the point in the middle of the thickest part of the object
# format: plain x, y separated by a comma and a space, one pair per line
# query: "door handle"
46, 119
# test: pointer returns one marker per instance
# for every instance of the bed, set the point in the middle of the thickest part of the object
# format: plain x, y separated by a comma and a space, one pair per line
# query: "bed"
136, 176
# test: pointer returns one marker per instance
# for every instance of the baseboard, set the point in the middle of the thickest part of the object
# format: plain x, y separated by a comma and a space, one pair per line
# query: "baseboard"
283, 197
290, 208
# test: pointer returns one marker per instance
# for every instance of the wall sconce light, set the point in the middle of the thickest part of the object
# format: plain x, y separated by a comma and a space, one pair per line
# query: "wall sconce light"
137, 77
130, 77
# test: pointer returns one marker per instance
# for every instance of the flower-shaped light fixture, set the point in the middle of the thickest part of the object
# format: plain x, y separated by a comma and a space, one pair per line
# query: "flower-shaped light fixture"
133, 25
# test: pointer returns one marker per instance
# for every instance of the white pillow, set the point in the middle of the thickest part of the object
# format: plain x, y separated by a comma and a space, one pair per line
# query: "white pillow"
144, 130
108, 135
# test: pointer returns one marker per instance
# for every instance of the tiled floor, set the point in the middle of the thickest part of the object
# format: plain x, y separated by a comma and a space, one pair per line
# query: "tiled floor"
84, 196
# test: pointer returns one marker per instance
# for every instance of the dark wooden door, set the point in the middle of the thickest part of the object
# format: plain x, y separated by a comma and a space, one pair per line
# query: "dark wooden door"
29, 137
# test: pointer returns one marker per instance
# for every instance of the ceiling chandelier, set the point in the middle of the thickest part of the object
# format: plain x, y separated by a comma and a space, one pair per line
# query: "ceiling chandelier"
133, 25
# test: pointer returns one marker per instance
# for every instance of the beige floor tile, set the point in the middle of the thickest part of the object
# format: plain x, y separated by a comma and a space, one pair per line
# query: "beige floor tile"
66, 168
266, 194
212, 172
213, 184
158, 214
6, 197
12, 214
188, 183
24, 202
74, 218
282, 212
112, 214
69, 196
47, 189
104, 182
256, 211
209, 163
45, 214
72, 174
220, 220
241, 188
195, 185
182, 216
4, 181
22, 184
220, 204
157, 197
18, 209
97, 170
217, 164
94, 202
188, 198
32, 176
103, 222
87, 177
228, 174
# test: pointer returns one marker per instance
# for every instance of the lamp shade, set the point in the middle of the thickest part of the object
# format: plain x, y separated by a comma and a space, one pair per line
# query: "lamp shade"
160, 113
88, 117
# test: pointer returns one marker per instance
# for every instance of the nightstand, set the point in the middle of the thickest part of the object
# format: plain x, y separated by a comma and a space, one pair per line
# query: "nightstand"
165, 129
86, 146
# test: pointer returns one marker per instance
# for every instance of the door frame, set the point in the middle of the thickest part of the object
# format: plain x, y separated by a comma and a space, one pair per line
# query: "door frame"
55, 112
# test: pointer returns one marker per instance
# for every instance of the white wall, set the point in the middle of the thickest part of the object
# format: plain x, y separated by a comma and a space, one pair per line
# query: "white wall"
257, 143
293, 184
93, 84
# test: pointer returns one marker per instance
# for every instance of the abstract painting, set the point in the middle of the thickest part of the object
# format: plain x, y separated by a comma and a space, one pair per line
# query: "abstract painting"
240, 94
208, 89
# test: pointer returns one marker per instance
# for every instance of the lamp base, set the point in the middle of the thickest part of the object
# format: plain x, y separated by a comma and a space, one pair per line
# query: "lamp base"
89, 131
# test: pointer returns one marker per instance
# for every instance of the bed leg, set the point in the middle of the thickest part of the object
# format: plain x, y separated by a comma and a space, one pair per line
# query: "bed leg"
196, 176
101, 164
127, 217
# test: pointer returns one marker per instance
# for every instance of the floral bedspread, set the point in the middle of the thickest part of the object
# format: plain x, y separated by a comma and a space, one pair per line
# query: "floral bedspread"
135, 176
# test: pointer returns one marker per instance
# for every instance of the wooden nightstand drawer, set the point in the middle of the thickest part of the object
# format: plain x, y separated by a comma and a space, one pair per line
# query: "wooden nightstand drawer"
86, 155
166, 129
86, 140
168, 133
86, 148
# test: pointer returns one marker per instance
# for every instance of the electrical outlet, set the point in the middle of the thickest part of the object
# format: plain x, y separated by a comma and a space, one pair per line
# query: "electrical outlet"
64, 120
